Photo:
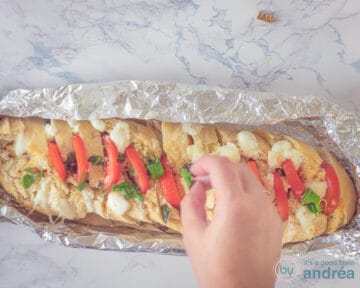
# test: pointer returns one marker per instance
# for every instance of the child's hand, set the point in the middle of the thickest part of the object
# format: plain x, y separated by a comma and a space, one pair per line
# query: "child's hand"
241, 244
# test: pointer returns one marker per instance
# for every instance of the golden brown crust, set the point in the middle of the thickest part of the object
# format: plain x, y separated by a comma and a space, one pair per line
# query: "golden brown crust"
175, 142
347, 202
311, 159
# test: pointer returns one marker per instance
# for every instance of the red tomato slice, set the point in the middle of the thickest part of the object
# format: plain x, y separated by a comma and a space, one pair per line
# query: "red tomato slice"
56, 160
142, 178
296, 185
281, 196
81, 158
112, 166
333, 189
168, 184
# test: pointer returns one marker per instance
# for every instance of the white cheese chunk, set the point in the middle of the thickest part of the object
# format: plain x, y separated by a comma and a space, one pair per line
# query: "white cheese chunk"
99, 125
42, 196
20, 144
229, 150
248, 144
281, 151
50, 131
191, 129
194, 152
306, 219
88, 196
117, 204
74, 125
319, 187
120, 135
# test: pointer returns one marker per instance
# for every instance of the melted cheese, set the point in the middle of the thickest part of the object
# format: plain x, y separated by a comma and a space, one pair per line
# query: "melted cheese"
155, 145
248, 144
229, 150
190, 129
319, 187
50, 131
291, 229
99, 125
20, 144
194, 152
268, 180
120, 135
281, 151
117, 204
61, 206
74, 125
88, 199
42, 195
306, 220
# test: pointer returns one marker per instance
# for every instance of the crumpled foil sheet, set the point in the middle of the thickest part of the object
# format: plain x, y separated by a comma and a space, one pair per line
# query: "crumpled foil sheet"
312, 119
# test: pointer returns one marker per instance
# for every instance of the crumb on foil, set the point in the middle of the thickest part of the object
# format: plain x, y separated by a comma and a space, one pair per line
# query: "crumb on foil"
265, 16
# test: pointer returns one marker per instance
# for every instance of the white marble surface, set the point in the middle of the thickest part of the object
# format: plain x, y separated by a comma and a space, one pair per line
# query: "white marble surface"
313, 48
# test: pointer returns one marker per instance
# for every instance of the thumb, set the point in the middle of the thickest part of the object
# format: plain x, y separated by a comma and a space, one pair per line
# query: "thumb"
193, 215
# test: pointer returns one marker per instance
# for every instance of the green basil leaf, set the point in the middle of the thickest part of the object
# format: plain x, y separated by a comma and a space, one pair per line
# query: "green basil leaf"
310, 197
165, 210
102, 191
155, 169
186, 176
28, 180
129, 190
312, 201
83, 184
100, 185
138, 196
96, 160
312, 208
42, 173
29, 170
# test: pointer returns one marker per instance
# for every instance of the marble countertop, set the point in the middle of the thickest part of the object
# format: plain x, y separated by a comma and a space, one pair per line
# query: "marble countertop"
312, 48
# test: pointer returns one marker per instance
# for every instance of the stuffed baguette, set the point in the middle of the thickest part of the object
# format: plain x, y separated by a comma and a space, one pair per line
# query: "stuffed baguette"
137, 171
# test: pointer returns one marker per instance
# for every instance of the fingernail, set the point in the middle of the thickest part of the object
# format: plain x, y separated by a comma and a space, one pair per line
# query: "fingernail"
202, 178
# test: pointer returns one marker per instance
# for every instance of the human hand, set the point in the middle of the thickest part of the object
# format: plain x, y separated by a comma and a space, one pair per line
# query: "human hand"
241, 244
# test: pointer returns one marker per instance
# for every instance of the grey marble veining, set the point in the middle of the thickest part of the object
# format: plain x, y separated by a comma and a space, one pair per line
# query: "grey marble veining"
312, 48
28, 261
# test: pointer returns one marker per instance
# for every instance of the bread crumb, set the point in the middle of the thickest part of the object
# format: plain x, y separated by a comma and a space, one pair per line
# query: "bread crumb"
265, 16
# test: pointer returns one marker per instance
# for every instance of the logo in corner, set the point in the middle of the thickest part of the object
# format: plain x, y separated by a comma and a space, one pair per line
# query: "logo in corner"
286, 269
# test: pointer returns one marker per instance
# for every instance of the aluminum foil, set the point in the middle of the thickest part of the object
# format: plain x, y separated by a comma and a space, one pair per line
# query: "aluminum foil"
312, 119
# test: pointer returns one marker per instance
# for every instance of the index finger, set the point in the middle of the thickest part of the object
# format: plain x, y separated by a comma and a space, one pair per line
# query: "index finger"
224, 177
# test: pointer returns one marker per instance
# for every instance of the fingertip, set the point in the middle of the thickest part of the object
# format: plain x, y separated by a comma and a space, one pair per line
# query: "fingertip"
206, 163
